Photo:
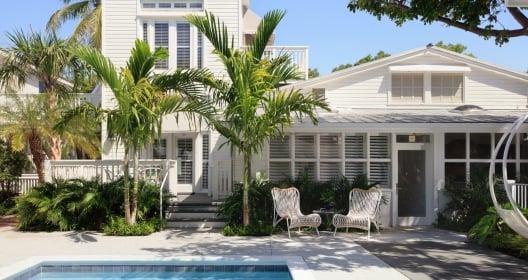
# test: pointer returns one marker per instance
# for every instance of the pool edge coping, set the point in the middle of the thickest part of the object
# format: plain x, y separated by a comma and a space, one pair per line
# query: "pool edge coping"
296, 265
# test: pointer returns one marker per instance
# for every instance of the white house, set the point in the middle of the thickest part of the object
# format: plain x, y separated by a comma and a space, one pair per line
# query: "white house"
408, 121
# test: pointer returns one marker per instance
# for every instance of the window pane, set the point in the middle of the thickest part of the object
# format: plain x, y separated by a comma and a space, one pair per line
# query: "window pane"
304, 146
524, 145
407, 88
161, 40
455, 173
379, 146
354, 169
446, 88
511, 149
159, 149
183, 43
379, 173
480, 145
478, 170
510, 168
279, 171
279, 147
455, 145
330, 146
329, 170
305, 168
354, 147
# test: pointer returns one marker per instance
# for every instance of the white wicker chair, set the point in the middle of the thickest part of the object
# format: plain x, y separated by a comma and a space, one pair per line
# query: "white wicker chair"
286, 203
363, 209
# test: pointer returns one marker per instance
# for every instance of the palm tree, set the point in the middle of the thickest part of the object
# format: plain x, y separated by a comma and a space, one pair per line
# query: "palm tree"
142, 100
29, 120
254, 108
89, 13
44, 57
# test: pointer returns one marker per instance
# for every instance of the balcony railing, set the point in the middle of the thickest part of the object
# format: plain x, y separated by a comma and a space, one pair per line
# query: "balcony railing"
298, 55
78, 99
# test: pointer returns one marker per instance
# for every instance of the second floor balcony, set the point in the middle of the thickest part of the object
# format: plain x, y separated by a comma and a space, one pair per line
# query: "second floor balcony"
298, 55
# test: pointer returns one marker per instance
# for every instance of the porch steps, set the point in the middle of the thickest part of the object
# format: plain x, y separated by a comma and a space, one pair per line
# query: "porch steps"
193, 211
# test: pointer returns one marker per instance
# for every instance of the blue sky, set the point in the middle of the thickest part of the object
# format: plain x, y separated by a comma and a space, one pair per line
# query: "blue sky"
334, 34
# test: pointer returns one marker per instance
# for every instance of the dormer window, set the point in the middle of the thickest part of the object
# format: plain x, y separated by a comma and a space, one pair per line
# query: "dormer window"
427, 84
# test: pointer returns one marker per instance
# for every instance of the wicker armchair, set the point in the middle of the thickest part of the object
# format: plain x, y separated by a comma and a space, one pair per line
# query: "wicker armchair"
286, 203
363, 210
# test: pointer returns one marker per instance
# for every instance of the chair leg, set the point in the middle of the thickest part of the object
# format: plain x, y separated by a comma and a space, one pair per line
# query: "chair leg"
335, 230
316, 229
288, 226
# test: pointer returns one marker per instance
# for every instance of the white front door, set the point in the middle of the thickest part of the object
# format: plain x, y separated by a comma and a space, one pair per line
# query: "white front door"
414, 190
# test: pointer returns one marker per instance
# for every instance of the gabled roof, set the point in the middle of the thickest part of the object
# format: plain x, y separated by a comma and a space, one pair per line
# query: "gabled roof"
402, 57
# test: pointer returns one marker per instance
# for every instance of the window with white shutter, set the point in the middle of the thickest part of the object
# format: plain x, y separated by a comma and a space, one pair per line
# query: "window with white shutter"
446, 88
185, 156
305, 146
183, 45
407, 88
379, 146
355, 146
161, 40
205, 161
379, 173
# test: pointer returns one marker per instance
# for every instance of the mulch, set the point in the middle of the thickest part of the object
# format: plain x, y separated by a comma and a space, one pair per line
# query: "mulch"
7, 221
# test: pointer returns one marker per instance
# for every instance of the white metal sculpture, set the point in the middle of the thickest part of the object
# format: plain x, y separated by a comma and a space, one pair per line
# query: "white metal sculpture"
286, 203
363, 209
512, 217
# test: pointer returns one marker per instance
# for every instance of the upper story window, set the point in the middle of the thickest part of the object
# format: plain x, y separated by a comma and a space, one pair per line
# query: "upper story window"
427, 84
172, 4
407, 88
183, 42
446, 88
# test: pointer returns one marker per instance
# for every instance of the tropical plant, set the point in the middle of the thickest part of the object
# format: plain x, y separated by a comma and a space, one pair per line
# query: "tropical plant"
254, 109
46, 58
89, 14
142, 99
12, 164
79, 204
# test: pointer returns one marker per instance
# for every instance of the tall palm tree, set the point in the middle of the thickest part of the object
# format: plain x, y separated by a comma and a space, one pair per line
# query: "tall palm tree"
89, 13
44, 57
142, 100
254, 108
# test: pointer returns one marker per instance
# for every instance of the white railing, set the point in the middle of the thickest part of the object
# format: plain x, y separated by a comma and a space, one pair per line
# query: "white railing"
520, 194
25, 183
298, 55
6, 99
102, 170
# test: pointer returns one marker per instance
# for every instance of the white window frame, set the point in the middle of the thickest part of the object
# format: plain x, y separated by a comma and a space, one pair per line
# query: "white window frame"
195, 48
427, 71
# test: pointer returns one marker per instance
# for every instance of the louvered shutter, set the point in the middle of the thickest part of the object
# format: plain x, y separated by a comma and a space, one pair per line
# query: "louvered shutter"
161, 40
379, 172
353, 169
354, 146
205, 161
304, 146
379, 146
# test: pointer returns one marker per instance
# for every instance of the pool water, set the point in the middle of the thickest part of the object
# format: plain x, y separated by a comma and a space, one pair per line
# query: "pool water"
164, 275
155, 270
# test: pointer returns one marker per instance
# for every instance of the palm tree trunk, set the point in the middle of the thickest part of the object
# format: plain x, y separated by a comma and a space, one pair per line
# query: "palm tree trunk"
134, 206
55, 148
126, 189
245, 197
35, 145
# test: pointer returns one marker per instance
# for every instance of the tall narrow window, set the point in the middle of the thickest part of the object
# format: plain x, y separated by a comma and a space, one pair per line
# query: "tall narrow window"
205, 161
183, 45
159, 149
446, 88
161, 40
199, 50
145, 32
185, 156
407, 88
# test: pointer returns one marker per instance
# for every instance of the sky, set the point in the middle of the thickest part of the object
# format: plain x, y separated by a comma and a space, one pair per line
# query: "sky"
333, 34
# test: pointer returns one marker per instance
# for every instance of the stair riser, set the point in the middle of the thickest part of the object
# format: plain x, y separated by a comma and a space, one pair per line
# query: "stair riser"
194, 225
186, 215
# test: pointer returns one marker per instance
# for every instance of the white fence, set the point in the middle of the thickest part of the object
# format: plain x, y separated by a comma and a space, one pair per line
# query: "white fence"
520, 194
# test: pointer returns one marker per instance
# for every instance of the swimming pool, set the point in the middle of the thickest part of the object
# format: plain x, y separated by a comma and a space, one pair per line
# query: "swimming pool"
179, 268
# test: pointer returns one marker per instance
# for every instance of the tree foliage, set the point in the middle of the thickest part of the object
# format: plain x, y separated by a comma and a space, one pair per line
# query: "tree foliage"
253, 107
484, 18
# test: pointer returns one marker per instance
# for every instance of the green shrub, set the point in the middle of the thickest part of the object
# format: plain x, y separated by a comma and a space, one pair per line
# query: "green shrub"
258, 229
467, 203
260, 203
492, 232
118, 227
7, 202
12, 164
80, 204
